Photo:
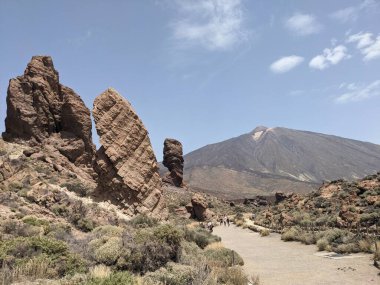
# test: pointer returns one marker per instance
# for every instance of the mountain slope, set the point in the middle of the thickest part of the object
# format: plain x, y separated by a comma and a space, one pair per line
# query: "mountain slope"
278, 159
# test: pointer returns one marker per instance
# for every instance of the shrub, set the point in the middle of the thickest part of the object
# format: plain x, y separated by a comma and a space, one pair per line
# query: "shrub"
117, 278
200, 236
232, 275
365, 245
146, 256
347, 248
307, 238
291, 234
22, 250
78, 188
264, 232
107, 231
169, 234
143, 221
223, 257
172, 274
100, 271
189, 253
322, 244
106, 250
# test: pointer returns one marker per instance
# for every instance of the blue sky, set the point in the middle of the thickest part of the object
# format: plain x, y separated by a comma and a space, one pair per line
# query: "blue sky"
205, 71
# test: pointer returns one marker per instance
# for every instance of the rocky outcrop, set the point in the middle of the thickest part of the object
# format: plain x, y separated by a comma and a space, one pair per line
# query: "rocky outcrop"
200, 209
42, 111
173, 160
125, 163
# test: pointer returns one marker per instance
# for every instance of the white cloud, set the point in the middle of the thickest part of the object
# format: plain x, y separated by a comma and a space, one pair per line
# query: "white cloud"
329, 57
286, 63
368, 45
357, 93
362, 39
303, 24
351, 13
212, 24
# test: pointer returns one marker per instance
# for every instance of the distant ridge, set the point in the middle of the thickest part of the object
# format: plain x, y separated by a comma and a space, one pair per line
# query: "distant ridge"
278, 159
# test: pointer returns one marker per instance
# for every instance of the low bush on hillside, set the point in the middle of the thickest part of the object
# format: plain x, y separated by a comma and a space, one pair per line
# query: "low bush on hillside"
200, 236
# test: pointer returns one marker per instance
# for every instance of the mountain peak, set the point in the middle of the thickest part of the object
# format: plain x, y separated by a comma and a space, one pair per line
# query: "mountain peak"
259, 129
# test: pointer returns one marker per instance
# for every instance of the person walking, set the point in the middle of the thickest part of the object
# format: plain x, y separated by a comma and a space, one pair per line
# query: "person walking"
228, 221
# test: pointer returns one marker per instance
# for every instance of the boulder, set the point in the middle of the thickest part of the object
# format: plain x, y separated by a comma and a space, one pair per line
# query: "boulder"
125, 163
42, 111
173, 160
280, 196
200, 208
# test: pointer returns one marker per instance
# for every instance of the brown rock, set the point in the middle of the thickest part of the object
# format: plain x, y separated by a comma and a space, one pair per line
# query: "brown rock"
42, 111
173, 160
200, 210
126, 164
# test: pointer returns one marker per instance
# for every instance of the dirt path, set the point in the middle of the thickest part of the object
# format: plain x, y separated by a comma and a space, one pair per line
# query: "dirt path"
292, 263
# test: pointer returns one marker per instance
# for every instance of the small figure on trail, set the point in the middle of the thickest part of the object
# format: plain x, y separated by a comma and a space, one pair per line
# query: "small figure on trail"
210, 226
225, 220
228, 221
221, 221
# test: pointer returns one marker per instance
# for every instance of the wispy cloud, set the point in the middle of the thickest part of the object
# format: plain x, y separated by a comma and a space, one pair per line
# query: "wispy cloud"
368, 45
352, 13
329, 57
286, 63
212, 24
303, 24
355, 92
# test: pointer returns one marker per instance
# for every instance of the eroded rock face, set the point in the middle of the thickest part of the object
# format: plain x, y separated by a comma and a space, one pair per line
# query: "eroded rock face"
126, 164
173, 160
42, 111
200, 209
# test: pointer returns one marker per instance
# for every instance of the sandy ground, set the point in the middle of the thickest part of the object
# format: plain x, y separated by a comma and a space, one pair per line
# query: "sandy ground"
292, 263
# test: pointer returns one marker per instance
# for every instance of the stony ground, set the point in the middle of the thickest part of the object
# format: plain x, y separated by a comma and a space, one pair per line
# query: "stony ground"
278, 262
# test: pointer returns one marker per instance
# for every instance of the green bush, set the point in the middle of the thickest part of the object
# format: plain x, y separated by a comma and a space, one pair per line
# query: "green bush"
143, 221
106, 250
200, 236
231, 275
291, 234
223, 257
322, 244
23, 249
116, 278
172, 274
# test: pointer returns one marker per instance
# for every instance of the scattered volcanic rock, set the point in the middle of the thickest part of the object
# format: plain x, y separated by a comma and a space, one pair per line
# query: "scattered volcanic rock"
200, 209
125, 163
41, 111
173, 160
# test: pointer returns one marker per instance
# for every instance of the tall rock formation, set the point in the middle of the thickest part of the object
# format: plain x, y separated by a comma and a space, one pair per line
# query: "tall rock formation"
42, 111
173, 160
125, 163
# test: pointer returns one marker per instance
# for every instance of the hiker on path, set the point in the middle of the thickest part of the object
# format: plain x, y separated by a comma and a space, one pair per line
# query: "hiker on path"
210, 226
225, 220
228, 221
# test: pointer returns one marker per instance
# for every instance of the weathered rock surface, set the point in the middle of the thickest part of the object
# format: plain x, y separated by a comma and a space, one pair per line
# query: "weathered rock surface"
200, 209
42, 111
173, 160
126, 164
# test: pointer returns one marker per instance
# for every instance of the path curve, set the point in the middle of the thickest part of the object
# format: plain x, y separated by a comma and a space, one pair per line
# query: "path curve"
293, 263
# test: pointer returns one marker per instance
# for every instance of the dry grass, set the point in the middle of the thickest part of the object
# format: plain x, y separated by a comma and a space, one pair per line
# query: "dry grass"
35, 268
215, 245
100, 271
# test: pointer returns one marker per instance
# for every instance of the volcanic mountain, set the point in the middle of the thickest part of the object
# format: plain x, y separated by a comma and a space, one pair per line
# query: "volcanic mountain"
267, 160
